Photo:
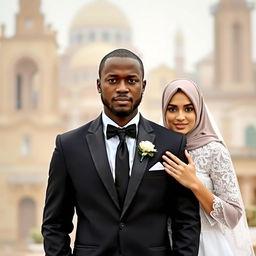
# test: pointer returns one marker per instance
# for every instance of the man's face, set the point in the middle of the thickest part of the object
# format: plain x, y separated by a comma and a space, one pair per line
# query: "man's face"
121, 87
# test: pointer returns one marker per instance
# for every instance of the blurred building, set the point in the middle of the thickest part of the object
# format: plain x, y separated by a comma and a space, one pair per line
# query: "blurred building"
43, 94
29, 120
228, 79
232, 95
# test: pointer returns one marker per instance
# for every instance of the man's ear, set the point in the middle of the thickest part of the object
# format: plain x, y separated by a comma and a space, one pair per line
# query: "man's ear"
144, 85
98, 85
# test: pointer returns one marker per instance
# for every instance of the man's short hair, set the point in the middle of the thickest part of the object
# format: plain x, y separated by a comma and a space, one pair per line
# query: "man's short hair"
122, 53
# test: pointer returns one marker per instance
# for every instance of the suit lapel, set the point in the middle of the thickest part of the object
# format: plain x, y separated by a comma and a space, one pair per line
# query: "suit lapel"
96, 144
145, 133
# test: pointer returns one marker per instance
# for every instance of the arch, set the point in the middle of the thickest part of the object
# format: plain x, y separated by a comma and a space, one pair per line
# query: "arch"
26, 89
250, 136
26, 217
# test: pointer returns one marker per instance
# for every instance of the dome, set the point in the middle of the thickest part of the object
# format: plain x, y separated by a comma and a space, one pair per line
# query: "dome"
99, 21
100, 13
90, 55
84, 63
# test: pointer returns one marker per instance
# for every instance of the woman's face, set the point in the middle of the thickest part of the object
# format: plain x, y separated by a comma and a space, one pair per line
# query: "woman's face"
180, 114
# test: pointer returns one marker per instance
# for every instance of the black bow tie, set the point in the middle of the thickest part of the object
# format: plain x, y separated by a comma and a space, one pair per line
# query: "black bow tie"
113, 131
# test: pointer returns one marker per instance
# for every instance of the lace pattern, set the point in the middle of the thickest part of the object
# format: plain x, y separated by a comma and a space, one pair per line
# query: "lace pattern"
215, 170
217, 212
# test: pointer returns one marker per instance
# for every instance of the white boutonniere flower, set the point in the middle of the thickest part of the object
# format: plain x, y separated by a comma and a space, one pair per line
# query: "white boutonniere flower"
146, 148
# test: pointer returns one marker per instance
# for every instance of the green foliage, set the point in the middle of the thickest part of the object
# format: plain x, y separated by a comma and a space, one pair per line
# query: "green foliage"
251, 216
36, 236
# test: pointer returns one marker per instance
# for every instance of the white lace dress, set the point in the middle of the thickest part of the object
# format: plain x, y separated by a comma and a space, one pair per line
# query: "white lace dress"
215, 170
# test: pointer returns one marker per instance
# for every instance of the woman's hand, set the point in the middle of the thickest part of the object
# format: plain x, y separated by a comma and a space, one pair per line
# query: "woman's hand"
185, 174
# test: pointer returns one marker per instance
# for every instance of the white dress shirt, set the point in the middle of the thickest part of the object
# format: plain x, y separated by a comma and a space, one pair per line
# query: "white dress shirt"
112, 143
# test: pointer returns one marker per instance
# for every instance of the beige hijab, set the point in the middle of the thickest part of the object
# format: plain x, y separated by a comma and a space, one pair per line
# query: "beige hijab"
203, 132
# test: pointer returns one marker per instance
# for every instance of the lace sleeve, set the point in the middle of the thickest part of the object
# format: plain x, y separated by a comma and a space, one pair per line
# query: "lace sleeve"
227, 208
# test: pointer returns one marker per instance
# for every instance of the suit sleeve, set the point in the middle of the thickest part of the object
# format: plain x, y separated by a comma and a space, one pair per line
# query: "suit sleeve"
185, 218
59, 207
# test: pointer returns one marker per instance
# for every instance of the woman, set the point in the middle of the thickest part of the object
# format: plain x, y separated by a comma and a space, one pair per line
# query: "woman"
209, 172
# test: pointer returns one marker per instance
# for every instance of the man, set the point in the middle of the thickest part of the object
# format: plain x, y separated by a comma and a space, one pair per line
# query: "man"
122, 195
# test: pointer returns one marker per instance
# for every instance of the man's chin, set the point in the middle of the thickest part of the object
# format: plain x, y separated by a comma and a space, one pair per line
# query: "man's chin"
123, 113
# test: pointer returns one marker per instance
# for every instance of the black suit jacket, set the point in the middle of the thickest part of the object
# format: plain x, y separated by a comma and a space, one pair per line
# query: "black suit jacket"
80, 179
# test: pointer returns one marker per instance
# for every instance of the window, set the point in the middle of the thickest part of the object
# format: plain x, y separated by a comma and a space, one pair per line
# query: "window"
92, 36
34, 91
26, 85
105, 36
18, 101
118, 36
25, 146
250, 136
237, 46
79, 38
28, 23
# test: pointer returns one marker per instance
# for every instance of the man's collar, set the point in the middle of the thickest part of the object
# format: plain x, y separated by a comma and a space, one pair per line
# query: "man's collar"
106, 120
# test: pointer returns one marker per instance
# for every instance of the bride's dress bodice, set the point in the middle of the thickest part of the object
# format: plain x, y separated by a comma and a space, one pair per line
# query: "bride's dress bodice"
215, 170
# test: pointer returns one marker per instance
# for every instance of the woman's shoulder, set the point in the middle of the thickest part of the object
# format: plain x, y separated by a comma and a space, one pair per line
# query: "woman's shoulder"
213, 146
214, 154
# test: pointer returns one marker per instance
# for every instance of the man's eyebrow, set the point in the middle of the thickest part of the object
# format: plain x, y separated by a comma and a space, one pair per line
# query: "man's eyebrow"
113, 75
133, 75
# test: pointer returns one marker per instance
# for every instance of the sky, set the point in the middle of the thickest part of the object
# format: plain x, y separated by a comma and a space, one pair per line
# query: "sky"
154, 24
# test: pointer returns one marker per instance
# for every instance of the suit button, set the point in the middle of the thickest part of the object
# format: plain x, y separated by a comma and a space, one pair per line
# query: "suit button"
121, 225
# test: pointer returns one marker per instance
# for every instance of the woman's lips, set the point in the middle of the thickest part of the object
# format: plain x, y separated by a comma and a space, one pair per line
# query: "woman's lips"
180, 126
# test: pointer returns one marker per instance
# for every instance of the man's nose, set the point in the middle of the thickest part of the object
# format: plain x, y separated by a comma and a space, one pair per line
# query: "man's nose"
122, 87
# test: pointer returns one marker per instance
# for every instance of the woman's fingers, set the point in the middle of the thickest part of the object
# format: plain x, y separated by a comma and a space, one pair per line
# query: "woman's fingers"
174, 158
173, 161
184, 173
171, 171
190, 161
170, 162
